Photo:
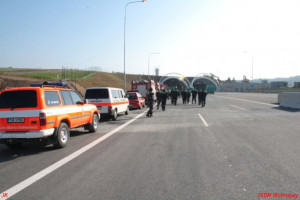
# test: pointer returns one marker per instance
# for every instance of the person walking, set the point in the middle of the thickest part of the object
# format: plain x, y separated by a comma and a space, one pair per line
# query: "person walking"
203, 94
158, 98
188, 96
150, 98
174, 96
164, 97
183, 95
194, 96
199, 96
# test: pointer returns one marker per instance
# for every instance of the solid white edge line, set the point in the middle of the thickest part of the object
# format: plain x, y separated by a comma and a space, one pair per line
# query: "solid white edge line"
238, 107
247, 101
203, 120
29, 181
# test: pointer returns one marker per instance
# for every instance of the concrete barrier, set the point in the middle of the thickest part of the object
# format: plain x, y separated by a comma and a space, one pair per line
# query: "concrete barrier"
289, 99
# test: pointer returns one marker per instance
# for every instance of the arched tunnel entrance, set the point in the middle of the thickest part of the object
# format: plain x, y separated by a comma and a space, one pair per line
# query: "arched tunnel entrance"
203, 81
175, 81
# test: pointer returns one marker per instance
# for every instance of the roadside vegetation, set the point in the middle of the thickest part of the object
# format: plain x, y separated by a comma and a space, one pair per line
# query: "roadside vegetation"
77, 78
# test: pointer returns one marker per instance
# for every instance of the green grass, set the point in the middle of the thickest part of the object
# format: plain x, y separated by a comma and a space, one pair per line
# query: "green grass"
58, 75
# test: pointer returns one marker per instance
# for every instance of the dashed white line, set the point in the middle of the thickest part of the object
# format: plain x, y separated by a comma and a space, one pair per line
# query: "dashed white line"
203, 120
237, 107
29, 181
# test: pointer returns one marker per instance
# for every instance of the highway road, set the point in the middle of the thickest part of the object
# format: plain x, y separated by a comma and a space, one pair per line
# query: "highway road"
236, 147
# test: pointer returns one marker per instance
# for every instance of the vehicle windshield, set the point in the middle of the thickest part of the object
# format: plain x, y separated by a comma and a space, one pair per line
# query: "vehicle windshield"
18, 99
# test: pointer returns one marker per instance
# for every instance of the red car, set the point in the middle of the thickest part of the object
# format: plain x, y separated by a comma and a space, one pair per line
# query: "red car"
135, 100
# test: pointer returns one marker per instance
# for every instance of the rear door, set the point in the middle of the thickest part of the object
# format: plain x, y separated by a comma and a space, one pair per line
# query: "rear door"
99, 97
19, 111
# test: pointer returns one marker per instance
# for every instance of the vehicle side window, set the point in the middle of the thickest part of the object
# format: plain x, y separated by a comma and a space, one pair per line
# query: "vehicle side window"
52, 98
114, 93
75, 97
67, 100
120, 94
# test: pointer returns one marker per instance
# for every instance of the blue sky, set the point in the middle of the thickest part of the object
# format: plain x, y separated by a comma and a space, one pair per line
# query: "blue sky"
192, 36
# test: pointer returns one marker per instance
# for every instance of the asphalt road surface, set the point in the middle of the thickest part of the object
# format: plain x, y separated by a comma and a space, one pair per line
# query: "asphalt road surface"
236, 147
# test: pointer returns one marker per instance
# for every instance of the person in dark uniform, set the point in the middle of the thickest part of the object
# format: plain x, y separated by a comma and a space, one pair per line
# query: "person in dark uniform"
203, 94
183, 95
176, 94
158, 98
150, 98
172, 96
194, 96
164, 97
188, 96
199, 96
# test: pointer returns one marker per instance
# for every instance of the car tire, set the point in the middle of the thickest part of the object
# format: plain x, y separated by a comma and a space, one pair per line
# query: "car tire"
94, 125
62, 136
127, 111
115, 115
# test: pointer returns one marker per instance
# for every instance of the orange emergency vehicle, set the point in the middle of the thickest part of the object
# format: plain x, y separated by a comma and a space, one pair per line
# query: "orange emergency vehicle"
43, 112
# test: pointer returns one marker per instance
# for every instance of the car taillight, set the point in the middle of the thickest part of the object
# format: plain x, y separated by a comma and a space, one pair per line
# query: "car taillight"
109, 108
43, 119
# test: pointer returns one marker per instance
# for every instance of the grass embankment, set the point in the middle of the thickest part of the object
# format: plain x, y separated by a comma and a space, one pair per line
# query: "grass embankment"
78, 78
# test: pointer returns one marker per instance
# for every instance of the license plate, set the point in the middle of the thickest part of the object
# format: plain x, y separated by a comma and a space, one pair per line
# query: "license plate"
15, 120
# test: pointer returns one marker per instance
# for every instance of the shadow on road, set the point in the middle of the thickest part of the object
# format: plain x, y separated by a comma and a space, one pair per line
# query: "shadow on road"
29, 148
293, 110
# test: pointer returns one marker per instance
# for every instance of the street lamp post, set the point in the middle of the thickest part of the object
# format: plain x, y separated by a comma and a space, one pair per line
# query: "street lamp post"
149, 61
143, 1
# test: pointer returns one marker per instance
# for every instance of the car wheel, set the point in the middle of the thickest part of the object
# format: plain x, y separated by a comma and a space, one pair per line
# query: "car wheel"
94, 124
127, 111
62, 136
115, 115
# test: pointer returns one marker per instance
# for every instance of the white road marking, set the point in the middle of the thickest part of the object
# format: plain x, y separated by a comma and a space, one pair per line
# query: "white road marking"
203, 120
268, 104
238, 107
29, 181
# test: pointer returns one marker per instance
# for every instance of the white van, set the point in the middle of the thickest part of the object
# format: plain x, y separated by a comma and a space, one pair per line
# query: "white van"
109, 101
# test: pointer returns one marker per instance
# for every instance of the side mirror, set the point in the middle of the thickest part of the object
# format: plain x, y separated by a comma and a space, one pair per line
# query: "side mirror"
79, 102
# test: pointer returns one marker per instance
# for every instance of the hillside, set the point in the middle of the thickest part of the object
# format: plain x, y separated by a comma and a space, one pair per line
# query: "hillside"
23, 77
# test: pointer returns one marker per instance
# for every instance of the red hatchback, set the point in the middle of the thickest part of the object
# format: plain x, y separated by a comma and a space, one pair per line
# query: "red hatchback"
136, 100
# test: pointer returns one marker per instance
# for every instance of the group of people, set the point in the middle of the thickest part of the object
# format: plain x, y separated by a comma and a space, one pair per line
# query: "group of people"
162, 96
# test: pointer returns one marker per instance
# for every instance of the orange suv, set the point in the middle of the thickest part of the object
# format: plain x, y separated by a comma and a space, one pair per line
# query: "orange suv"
43, 112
